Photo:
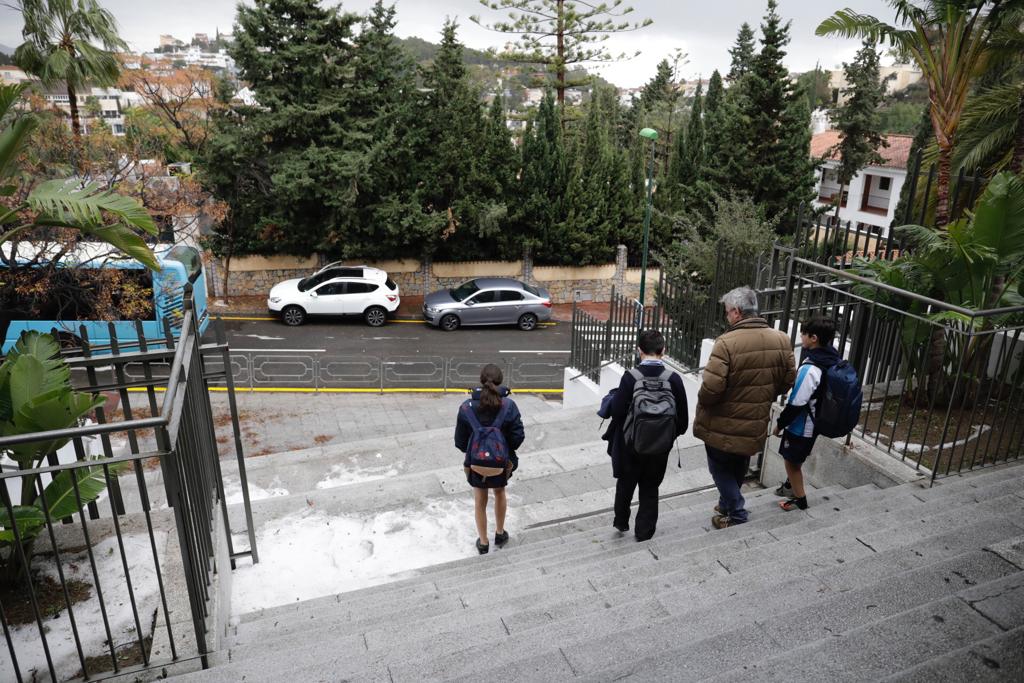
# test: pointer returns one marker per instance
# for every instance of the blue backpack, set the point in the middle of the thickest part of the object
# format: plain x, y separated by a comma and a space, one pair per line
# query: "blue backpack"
839, 401
488, 450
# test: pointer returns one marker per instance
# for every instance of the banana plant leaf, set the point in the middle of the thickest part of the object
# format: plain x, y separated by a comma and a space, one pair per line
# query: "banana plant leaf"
60, 493
30, 521
57, 409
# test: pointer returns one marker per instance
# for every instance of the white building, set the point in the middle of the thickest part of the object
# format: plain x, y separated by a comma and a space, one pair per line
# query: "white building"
195, 56
895, 79
111, 102
12, 75
869, 201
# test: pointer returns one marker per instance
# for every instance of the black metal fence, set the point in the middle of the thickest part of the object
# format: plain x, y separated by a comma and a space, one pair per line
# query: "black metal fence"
596, 343
943, 385
98, 601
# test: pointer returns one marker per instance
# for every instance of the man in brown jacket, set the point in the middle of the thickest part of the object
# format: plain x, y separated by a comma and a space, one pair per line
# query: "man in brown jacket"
751, 364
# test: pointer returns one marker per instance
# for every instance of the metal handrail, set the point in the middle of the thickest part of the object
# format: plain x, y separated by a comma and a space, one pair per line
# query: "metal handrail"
920, 298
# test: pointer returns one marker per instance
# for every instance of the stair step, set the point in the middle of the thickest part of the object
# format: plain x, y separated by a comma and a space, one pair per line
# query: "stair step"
995, 659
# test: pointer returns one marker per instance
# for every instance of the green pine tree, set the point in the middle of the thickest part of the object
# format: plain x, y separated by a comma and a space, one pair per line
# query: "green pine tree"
385, 120
924, 137
741, 54
774, 178
464, 223
857, 119
298, 57
542, 183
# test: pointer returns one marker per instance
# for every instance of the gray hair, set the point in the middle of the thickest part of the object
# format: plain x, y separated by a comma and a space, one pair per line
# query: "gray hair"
743, 299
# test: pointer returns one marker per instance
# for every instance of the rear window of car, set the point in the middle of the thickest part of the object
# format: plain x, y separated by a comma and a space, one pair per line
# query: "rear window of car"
531, 289
361, 287
390, 284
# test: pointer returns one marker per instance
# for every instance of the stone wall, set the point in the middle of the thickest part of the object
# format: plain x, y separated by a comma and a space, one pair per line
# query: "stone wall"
256, 275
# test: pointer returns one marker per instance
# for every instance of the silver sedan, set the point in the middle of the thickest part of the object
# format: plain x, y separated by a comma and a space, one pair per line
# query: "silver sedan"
488, 301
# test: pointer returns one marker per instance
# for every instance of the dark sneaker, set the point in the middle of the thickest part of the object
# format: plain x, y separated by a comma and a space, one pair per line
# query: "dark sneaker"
785, 490
501, 539
482, 548
621, 528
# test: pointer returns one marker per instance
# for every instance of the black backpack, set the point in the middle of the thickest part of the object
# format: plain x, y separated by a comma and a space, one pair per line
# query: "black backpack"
650, 427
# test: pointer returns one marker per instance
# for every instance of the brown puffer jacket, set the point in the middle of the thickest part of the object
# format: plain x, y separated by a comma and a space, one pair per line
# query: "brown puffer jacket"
750, 366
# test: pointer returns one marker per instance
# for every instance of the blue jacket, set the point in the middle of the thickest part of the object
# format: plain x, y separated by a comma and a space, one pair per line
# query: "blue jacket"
512, 428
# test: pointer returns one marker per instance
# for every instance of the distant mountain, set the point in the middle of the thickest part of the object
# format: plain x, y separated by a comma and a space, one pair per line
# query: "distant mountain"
8, 53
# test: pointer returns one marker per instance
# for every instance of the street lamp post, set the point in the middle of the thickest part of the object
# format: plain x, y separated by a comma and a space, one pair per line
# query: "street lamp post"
652, 135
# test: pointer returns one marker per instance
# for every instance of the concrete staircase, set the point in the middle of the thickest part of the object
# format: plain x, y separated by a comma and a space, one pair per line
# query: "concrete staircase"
904, 583
564, 472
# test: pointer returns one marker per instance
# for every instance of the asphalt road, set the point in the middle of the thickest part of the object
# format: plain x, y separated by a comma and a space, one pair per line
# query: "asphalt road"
353, 336
339, 353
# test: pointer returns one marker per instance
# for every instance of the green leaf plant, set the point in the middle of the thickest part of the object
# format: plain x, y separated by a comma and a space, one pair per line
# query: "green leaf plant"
976, 263
36, 396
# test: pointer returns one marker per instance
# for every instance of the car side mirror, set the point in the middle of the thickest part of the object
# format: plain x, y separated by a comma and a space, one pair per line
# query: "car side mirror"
314, 294
470, 303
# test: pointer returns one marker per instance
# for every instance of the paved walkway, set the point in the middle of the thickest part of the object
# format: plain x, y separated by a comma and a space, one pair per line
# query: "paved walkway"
276, 422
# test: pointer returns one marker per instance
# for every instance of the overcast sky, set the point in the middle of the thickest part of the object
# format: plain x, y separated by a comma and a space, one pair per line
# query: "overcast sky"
704, 30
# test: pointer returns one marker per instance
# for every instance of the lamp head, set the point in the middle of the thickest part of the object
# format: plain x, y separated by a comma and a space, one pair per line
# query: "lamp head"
649, 133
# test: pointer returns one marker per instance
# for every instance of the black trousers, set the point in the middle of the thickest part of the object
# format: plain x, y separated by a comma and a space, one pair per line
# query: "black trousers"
646, 475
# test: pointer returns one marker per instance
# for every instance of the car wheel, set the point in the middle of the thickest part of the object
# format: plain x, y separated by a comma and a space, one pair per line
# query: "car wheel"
527, 321
293, 315
449, 322
375, 316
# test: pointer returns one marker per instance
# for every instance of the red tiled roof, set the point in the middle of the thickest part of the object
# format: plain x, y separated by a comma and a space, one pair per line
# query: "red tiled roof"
896, 155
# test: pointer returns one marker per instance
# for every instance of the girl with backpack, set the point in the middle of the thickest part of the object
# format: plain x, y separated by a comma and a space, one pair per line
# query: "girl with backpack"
488, 430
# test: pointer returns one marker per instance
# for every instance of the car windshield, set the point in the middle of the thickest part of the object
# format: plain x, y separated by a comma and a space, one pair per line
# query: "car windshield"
464, 290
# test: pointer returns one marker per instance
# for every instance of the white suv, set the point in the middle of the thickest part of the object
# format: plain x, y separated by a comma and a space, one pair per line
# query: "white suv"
336, 289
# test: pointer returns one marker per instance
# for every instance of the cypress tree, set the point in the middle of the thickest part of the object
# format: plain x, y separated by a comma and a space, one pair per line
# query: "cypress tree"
462, 222
857, 119
542, 182
385, 120
774, 131
693, 161
713, 118
923, 137
298, 57
742, 54
598, 196
793, 163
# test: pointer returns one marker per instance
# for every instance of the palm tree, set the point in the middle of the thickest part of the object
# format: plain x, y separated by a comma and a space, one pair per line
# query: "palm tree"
60, 47
951, 41
992, 130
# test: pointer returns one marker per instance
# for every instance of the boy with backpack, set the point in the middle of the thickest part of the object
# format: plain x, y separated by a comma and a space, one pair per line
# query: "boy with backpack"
825, 399
648, 412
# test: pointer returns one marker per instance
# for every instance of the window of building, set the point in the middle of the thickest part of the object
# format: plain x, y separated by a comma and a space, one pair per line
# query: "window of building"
884, 183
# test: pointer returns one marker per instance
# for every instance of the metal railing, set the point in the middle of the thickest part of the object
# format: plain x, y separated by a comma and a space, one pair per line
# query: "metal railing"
943, 385
327, 372
97, 601
596, 343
